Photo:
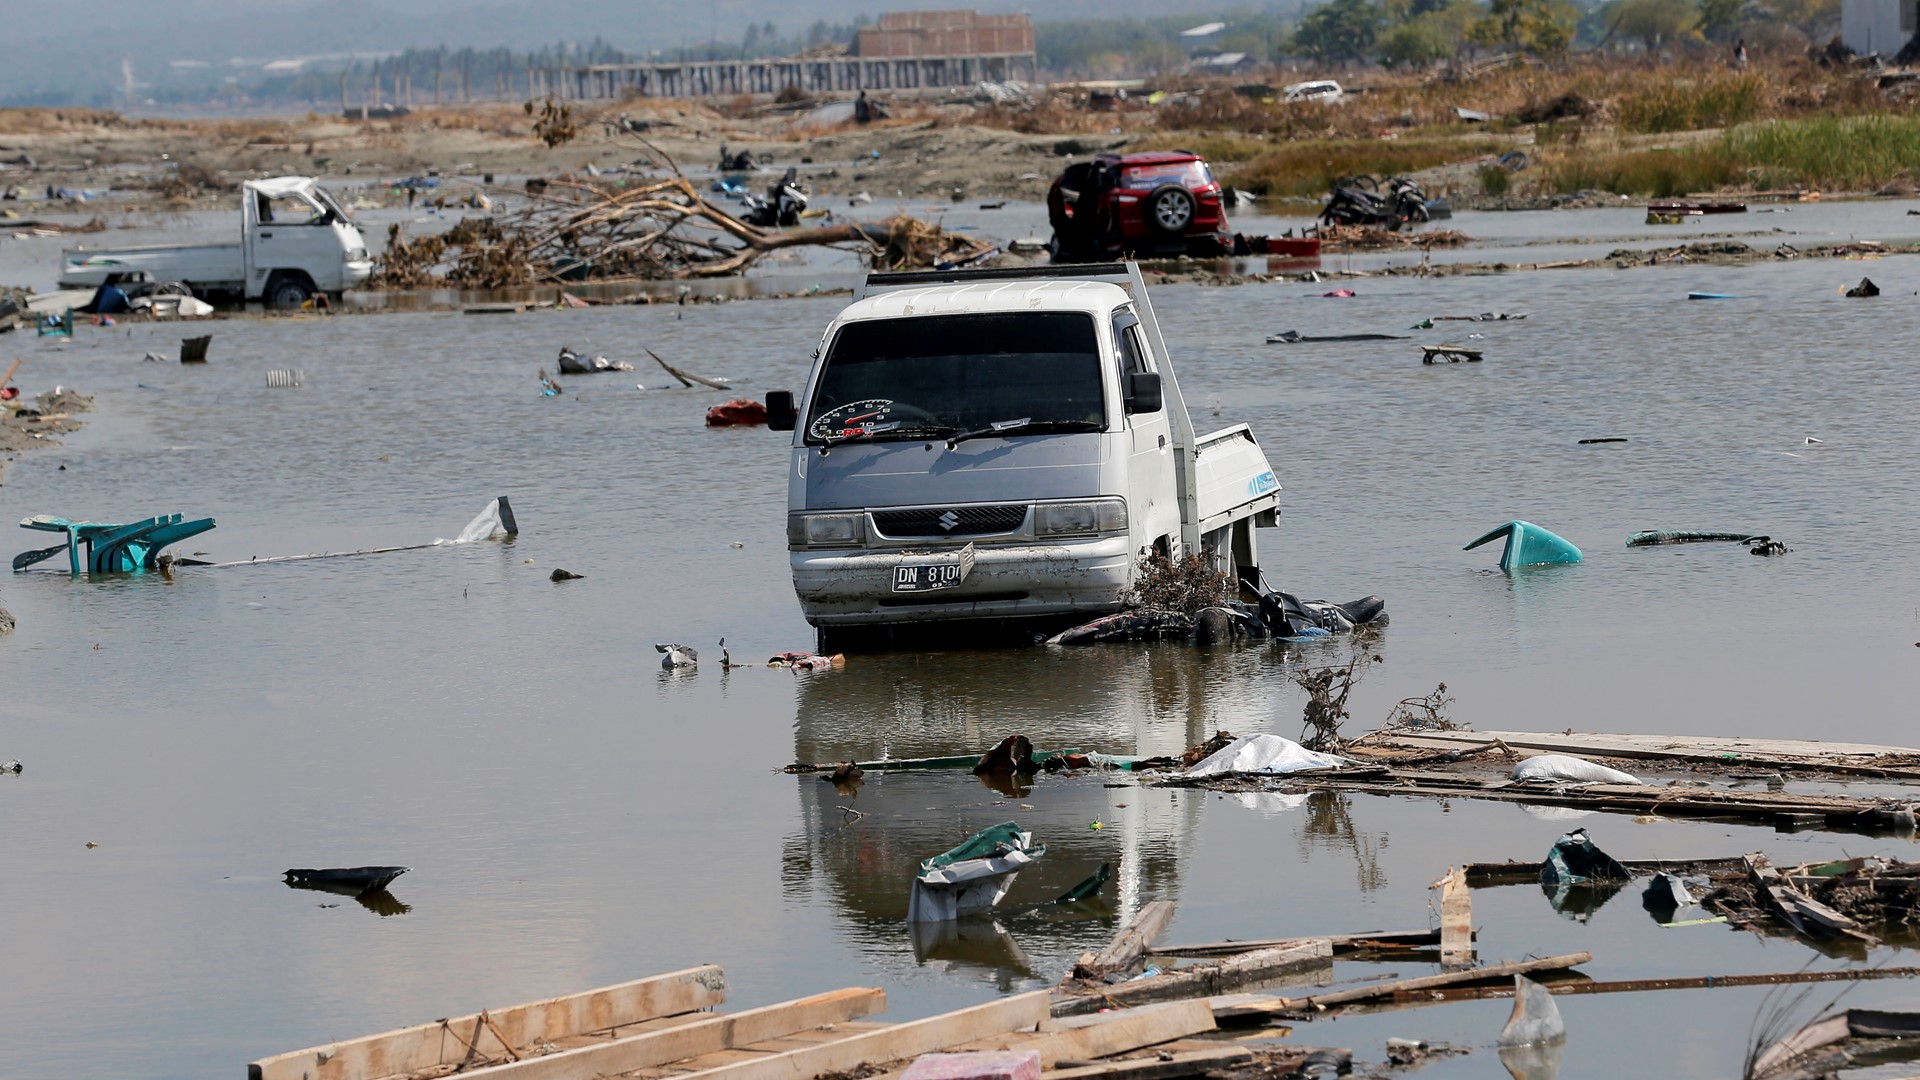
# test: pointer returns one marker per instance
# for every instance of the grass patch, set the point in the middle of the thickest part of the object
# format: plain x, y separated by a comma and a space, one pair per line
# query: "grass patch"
1838, 152
1307, 168
1494, 180
1715, 100
1843, 153
1659, 173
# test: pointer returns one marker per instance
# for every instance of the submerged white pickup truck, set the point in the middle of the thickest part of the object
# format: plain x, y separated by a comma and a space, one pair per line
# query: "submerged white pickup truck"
1003, 444
296, 242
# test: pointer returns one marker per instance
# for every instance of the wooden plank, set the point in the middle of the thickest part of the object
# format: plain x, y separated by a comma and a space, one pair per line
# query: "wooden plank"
451, 1042
1456, 919
724, 1034
1487, 875
1231, 973
1130, 944
1188, 1064
1805, 915
1788, 753
894, 1043
1119, 1032
1837, 811
1820, 1033
1343, 944
1317, 1002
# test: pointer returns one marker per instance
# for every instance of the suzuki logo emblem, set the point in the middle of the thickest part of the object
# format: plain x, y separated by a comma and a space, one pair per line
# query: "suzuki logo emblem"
948, 520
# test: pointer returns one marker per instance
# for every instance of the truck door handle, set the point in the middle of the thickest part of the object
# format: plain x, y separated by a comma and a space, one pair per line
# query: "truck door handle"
266, 236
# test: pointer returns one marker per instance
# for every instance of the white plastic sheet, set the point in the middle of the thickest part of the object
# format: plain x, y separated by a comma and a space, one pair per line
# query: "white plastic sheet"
480, 528
1565, 767
1270, 754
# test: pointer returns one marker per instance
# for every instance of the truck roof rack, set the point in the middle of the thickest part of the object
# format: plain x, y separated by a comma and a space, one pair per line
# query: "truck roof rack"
1076, 272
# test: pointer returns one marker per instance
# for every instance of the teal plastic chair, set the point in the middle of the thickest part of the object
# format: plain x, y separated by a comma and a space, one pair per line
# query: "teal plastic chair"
111, 549
1527, 544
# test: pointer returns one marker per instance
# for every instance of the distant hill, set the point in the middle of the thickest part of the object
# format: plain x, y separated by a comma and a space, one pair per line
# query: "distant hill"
77, 59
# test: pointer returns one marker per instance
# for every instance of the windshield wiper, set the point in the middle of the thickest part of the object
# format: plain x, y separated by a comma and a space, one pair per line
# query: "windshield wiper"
1024, 426
889, 432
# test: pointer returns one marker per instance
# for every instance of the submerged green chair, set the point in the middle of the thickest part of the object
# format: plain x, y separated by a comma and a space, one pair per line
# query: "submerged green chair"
111, 549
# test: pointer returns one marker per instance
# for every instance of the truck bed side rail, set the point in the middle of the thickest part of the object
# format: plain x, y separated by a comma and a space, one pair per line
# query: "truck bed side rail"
1117, 273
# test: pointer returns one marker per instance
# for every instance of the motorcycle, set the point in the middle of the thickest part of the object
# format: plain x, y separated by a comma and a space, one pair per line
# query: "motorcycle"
1358, 200
782, 206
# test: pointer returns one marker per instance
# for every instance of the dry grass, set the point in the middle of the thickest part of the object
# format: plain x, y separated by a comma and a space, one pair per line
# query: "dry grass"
1309, 167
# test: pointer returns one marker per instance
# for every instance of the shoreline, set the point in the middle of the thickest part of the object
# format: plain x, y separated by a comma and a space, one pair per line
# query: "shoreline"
32, 427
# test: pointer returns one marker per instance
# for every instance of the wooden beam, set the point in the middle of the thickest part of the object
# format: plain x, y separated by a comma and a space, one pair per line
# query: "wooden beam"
1319, 1002
1130, 944
1485, 875
1837, 811
1192, 1063
1802, 913
1119, 1032
1343, 944
1231, 973
894, 1043
1576, 987
1746, 753
723, 1032
1456, 919
452, 1042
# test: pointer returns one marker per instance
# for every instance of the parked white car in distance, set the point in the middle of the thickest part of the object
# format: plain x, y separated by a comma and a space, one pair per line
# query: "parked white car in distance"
1323, 90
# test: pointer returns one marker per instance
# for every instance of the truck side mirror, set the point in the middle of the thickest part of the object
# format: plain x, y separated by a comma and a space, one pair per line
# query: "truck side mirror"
781, 415
1143, 392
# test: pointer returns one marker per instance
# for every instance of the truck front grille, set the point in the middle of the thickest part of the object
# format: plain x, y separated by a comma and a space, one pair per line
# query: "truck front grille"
943, 521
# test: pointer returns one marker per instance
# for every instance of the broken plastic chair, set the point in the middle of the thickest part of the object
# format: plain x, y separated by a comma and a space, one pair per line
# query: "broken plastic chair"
1527, 544
972, 877
111, 549
51, 325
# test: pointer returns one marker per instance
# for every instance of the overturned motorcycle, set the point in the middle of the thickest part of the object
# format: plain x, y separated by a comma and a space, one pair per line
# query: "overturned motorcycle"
1364, 200
782, 206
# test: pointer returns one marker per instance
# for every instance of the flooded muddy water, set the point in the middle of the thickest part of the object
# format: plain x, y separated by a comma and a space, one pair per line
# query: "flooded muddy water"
573, 816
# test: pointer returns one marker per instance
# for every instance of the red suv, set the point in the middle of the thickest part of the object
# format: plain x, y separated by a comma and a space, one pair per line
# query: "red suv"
1161, 203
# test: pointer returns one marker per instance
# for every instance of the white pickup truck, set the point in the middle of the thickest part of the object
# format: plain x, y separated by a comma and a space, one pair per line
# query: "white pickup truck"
1003, 444
295, 243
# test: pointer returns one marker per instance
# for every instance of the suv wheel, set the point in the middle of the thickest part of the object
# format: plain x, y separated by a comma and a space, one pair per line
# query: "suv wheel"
1170, 209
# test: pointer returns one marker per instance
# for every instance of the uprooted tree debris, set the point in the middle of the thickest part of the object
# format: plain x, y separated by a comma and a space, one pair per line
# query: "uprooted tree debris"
573, 230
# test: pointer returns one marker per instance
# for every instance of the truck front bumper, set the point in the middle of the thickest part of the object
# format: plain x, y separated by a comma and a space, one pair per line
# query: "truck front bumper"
355, 273
846, 588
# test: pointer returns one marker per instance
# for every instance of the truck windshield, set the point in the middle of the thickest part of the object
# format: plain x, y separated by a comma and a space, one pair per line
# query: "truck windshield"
942, 374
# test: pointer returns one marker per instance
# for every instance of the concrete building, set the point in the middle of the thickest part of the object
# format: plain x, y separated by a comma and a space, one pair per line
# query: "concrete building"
1876, 26
904, 51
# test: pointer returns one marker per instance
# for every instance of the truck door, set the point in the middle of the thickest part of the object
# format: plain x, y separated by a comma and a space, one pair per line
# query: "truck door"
255, 268
294, 233
1152, 503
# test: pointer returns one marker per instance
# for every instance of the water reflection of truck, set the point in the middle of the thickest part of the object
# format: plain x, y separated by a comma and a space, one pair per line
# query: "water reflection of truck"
295, 243
1003, 444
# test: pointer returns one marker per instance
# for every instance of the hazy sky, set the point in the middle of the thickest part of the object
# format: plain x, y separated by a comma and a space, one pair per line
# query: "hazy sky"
37, 54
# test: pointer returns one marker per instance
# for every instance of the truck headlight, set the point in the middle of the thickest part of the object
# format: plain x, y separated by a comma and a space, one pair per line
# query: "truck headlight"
826, 530
1093, 517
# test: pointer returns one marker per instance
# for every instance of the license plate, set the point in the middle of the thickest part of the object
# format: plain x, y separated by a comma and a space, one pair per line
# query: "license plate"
931, 576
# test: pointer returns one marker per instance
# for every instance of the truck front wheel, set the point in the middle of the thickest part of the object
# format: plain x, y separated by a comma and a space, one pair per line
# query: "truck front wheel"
288, 293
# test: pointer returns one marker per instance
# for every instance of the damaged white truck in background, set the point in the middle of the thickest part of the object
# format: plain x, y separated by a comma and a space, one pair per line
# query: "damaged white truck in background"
295, 243
1003, 444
